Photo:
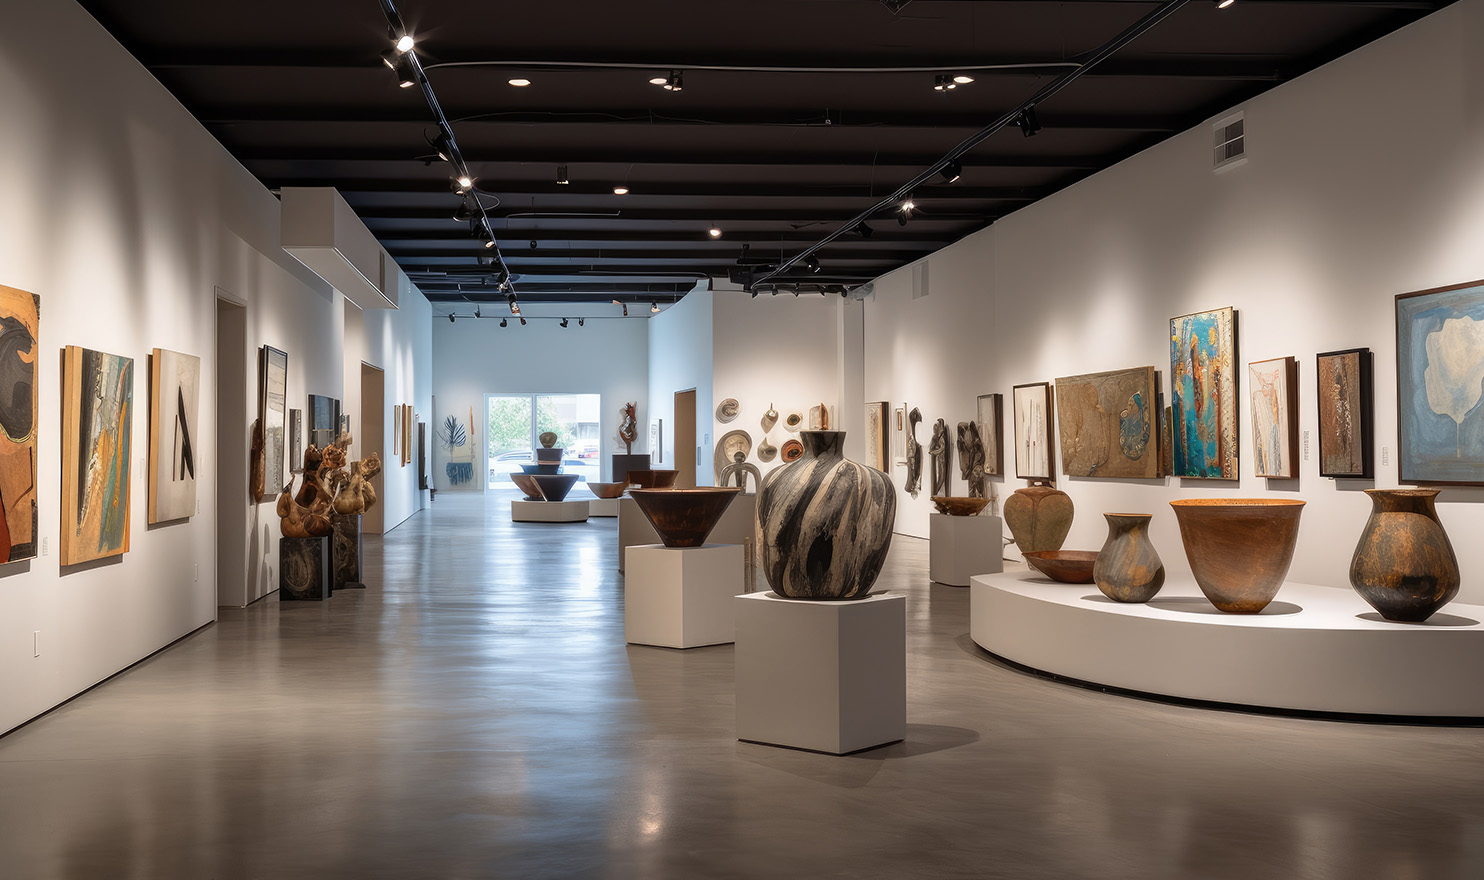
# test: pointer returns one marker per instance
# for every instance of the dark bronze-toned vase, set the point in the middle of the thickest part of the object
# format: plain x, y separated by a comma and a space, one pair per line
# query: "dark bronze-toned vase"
1128, 569
1039, 516
1404, 565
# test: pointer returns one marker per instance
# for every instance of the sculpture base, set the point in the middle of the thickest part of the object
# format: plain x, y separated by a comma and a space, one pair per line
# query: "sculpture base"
623, 462
304, 569
602, 507
681, 597
962, 546
548, 511
345, 553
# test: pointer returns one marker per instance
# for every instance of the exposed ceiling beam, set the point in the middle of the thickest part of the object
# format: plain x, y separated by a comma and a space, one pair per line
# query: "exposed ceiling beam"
639, 189
667, 158
516, 253
518, 214
888, 235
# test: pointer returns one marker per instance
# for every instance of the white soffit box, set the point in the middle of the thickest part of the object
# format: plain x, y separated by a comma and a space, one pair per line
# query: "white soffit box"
321, 231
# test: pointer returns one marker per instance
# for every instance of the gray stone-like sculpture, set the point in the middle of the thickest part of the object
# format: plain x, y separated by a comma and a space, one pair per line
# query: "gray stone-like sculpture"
941, 452
740, 468
971, 458
914, 453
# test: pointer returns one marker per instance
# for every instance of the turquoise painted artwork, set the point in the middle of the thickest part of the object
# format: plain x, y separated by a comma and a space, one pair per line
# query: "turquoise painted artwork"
1440, 384
1203, 399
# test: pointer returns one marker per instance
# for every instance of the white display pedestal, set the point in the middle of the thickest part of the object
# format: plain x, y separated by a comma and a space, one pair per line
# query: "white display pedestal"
602, 507
735, 524
633, 528
824, 676
960, 547
681, 597
548, 511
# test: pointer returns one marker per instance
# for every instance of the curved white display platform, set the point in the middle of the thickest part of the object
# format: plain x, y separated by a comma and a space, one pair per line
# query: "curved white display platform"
1318, 649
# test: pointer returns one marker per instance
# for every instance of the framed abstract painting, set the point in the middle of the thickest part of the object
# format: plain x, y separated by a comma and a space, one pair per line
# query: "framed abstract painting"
899, 435
1108, 424
1034, 459
97, 426
1440, 385
1273, 389
20, 320
992, 432
273, 381
1203, 395
174, 393
1345, 414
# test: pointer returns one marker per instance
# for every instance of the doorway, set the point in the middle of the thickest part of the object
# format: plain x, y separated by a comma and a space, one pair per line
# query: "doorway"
231, 455
686, 453
371, 436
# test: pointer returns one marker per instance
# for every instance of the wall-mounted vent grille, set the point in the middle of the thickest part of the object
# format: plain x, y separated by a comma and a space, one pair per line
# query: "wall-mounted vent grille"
920, 280
1230, 141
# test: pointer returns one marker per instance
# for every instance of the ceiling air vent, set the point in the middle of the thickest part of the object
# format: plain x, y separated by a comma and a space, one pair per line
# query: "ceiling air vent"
1229, 139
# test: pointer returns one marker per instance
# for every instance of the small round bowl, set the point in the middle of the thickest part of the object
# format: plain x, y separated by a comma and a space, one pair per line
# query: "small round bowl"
606, 490
1067, 566
526, 484
554, 487
684, 517
959, 506
653, 479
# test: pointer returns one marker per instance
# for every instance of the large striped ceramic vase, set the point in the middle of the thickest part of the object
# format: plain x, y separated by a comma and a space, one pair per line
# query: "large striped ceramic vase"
824, 523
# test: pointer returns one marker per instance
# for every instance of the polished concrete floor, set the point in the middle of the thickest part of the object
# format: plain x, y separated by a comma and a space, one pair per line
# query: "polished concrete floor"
476, 714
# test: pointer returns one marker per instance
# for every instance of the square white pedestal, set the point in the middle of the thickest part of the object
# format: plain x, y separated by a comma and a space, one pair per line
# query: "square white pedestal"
681, 597
602, 507
548, 511
960, 547
633, 528
825, 676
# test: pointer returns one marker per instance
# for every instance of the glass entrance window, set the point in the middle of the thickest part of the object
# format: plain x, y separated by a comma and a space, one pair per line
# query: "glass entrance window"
517, 420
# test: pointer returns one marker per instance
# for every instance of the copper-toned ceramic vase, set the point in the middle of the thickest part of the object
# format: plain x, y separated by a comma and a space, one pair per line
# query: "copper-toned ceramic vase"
1239, 548
684, 517
607, 490
554, 487
527, 484
1039, 516
954, 505
1067, 566
1404, 565
652, 479
1128, 568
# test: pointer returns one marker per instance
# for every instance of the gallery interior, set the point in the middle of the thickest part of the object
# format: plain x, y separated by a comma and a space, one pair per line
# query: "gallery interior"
862, 438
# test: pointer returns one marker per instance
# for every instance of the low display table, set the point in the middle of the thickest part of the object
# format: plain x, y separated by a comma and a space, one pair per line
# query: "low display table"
824, 676
548, 511
960, 547
1320, 649
681, 597
602, 507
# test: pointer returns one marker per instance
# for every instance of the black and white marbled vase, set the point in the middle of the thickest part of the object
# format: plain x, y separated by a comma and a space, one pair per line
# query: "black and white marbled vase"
824, 522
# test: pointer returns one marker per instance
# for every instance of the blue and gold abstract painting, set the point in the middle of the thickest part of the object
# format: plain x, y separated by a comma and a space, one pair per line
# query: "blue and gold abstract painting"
1203, 399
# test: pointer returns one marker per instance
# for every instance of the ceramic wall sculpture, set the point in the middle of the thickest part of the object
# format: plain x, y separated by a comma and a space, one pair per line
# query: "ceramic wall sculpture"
766, 451
793, 421
97, 426
1108, 424
1128, 568
726, 449
1203, 378
824, 523
971, 458
792, 451
684, 517
174, 391
20, 321
940, 453
819, 417
727, 410
628, 426
1404, 565
769, 419
738, 470
1039, 516
914, 453
1239, 548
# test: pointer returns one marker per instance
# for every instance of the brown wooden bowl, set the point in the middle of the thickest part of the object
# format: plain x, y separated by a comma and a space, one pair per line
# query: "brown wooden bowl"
684, 517
652, 479
1067, 566
554, 487
954, 505
527, 485
606, 490
1239, 548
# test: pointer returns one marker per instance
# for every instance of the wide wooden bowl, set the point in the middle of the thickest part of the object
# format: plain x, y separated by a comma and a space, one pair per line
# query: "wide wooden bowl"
1239, 548
959, 506
652, 479
684, 517
606, 490
1067, 566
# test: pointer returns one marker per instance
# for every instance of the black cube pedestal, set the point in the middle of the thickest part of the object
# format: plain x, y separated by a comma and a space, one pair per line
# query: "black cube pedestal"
624, 462
345, 553
303, 568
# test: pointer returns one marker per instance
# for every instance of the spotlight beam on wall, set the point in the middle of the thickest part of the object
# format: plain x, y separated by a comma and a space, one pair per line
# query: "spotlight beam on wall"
1101, 54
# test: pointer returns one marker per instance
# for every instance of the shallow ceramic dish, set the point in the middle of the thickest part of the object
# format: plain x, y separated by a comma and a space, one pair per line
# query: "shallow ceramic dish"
606, 490
1067, 566
955, 505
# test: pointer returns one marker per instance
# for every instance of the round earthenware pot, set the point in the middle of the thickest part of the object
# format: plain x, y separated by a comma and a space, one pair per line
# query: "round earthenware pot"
1404, 565
1128, 569
1039, 516
1239, 548
684, 517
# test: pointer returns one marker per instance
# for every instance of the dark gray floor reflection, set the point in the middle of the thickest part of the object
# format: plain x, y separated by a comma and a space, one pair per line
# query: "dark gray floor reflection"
475, 713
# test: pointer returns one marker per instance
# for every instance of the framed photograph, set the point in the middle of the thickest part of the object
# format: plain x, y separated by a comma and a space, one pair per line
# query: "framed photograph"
878, 448
1203, 395
1273, 390
1345, 414
1440, 384
273, 381
992, 432
1107, 423
97, 425
296, 441
1034, 459
899, 435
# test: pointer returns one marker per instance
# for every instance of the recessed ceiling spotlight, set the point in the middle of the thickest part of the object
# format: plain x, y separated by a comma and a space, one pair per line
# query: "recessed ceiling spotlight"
962, 79
620, 190
657, 80
715, 232
520, 82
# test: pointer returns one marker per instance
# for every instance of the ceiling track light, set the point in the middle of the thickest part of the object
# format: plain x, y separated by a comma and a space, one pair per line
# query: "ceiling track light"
450, 318
675, 82
952, 171
401, 40
625, 307
811, 264
654, 308
523, 322
962, 79
579, 321
519, 82
1028, 122
714, 231
476, 312
504, 322
944, 83
401, 65
863, 230
907, 206
562, 178
564, 323
444, 146
620, 190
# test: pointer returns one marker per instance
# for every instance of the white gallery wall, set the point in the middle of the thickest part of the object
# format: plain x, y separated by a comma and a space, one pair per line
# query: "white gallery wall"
680, 358
1364, 180
128, 220
472, 358
400, 342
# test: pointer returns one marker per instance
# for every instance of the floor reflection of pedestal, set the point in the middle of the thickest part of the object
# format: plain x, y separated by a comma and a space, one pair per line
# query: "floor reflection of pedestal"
602, 507
824, 676
681, 597
548, 511
960, 547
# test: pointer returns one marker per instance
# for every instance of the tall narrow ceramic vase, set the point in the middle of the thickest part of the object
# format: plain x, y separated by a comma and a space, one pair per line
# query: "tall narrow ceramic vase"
824, 522
1404, 564
1128, 569
1039, 516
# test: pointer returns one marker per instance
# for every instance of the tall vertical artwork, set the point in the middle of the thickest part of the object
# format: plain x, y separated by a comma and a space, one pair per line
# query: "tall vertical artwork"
1345, 414
324, 420
1109, 426
296, 441
174, 394
20, 321
1440, 385
273, 384
878, 451
1034, 459
992, 432
899, 435
1273, 388
97, 417
1203, 399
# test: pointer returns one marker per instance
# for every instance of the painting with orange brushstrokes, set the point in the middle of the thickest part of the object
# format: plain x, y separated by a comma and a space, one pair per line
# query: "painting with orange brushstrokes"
97, 420
19, 324
1203, 395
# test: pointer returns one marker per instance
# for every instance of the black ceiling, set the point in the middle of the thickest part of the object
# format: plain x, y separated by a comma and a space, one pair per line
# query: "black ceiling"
775, 158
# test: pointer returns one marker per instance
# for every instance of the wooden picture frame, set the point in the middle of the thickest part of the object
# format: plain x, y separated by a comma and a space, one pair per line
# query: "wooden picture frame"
1272, 388
1205, 441
273, 375
1440, 424
1345, 399
97, 429
1035, 456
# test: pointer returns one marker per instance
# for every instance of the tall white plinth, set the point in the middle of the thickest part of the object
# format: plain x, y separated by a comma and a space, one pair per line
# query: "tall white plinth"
633, 528
548, 511
824, 676
960, 547
681, 597
735, 525
602, 507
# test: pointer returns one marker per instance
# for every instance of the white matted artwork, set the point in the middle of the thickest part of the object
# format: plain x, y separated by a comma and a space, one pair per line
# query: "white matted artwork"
992, 433
1033, 455
877, 445
1273, 385
656, 440
899, 435
175, 381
